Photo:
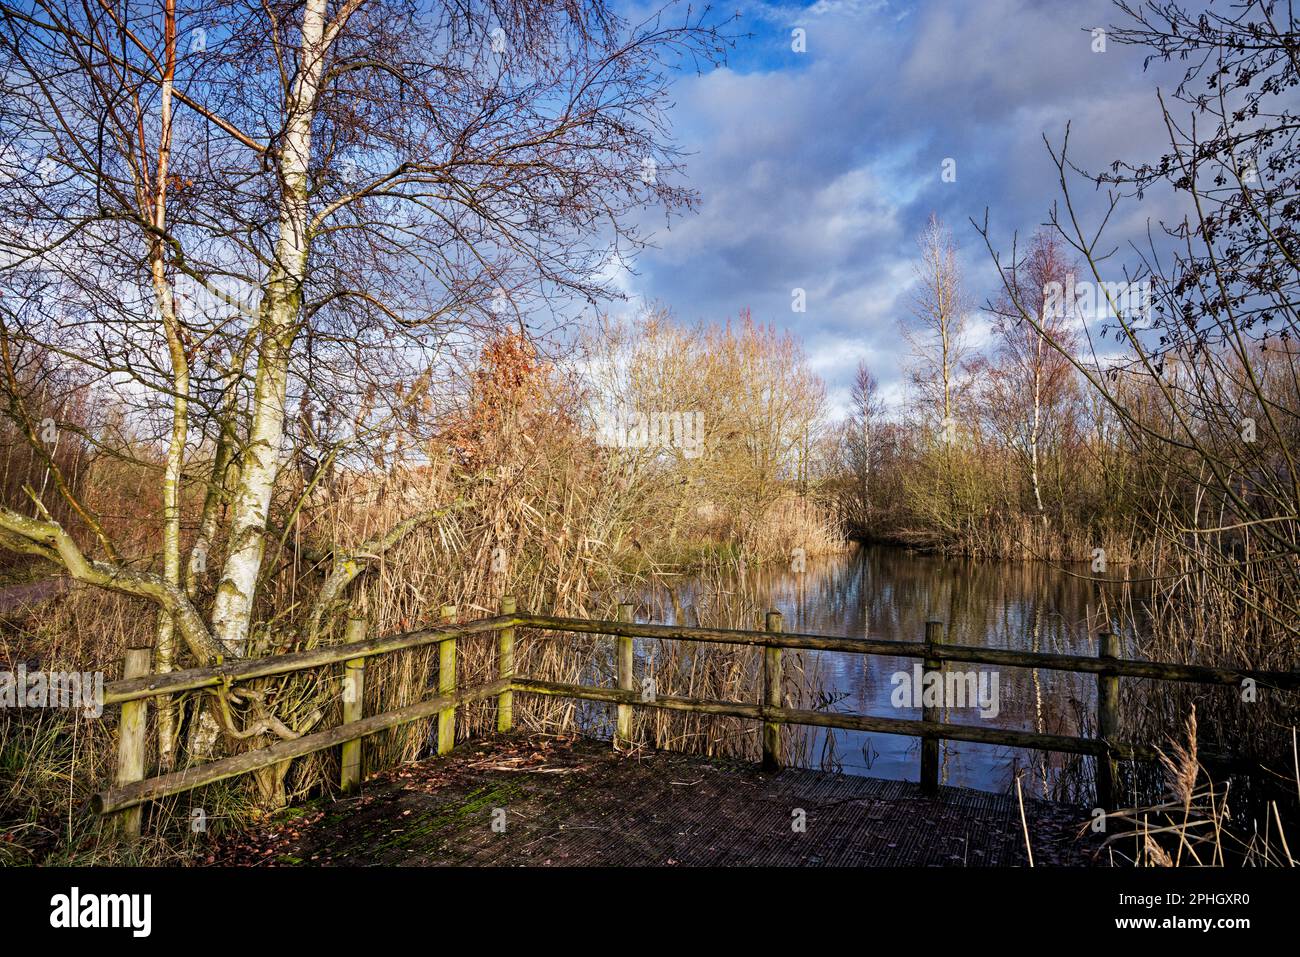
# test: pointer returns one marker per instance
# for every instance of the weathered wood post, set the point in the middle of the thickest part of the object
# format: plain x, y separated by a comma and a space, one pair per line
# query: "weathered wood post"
354, 691
933, 712
447, 685
506, 667
623, 730
131, 741
772, 696
1108, 723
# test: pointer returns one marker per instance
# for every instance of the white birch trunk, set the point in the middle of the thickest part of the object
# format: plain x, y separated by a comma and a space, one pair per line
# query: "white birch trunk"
278, 320
165, 645
1036, 428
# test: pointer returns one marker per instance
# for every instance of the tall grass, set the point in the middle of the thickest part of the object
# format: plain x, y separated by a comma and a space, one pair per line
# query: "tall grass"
1194, 823
557, 523
1214, 606
53, 760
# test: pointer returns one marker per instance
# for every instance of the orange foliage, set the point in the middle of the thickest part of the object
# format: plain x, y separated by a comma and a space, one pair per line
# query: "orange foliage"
511, 392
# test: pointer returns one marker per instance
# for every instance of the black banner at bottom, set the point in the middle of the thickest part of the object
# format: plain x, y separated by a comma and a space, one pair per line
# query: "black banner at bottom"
147, 907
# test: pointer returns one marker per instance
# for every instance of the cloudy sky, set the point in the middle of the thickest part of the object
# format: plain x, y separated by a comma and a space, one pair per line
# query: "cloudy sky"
817, 169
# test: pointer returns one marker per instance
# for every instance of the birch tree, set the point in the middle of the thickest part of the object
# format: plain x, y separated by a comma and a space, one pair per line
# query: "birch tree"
1029, 385
263, 226
939, 345
938, 335
1204, 380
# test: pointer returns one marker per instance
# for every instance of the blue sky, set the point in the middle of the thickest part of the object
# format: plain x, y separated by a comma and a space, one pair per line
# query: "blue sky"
817, 170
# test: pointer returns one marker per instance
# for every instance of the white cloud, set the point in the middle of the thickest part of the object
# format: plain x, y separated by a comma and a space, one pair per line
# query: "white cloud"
817, 171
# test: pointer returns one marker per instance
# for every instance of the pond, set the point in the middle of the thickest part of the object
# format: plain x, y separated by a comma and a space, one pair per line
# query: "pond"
886, 592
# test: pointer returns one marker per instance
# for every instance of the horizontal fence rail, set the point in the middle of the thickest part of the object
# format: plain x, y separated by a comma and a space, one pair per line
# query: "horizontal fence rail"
831, 719
1127, 667
131, 790
210, 773
245, 669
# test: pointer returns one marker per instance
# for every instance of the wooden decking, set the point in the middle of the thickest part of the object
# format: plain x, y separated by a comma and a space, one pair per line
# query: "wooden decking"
545, 801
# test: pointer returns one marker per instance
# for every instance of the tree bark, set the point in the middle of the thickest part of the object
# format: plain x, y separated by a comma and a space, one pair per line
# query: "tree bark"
278, 327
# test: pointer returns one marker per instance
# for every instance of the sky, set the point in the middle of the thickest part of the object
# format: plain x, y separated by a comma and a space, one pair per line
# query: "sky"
816, 170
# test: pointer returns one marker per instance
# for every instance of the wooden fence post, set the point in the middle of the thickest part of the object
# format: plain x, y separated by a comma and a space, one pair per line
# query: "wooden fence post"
130, 741
623, 730
1108, 724
354, 691
506, 667
447, 685
772, 696
934, 712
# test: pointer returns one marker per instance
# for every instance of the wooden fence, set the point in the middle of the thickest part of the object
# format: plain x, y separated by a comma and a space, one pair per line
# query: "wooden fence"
131, 789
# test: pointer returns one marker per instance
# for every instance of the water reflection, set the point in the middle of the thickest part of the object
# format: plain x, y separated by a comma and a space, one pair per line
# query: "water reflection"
890, 593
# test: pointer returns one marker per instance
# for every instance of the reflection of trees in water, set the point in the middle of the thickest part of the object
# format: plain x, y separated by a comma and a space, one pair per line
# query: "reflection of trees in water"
890, 593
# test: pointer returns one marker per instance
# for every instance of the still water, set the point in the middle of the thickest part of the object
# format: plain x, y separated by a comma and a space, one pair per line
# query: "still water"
889, 593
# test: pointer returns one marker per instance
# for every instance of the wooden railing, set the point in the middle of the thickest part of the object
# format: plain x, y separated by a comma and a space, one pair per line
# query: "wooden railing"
132, 789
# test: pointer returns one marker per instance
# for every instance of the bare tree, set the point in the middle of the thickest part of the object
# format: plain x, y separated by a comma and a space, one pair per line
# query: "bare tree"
758, 407
1207, 386
243, 209
1029, 385
938, 333
866, 407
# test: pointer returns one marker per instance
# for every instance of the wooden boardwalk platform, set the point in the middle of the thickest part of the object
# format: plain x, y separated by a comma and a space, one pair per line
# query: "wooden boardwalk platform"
576, 802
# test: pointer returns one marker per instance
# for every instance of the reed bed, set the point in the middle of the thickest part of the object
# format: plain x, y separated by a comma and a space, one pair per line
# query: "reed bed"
1195, 822
551, 525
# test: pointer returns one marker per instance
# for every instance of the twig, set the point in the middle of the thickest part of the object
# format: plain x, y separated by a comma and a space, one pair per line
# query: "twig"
1023, 823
